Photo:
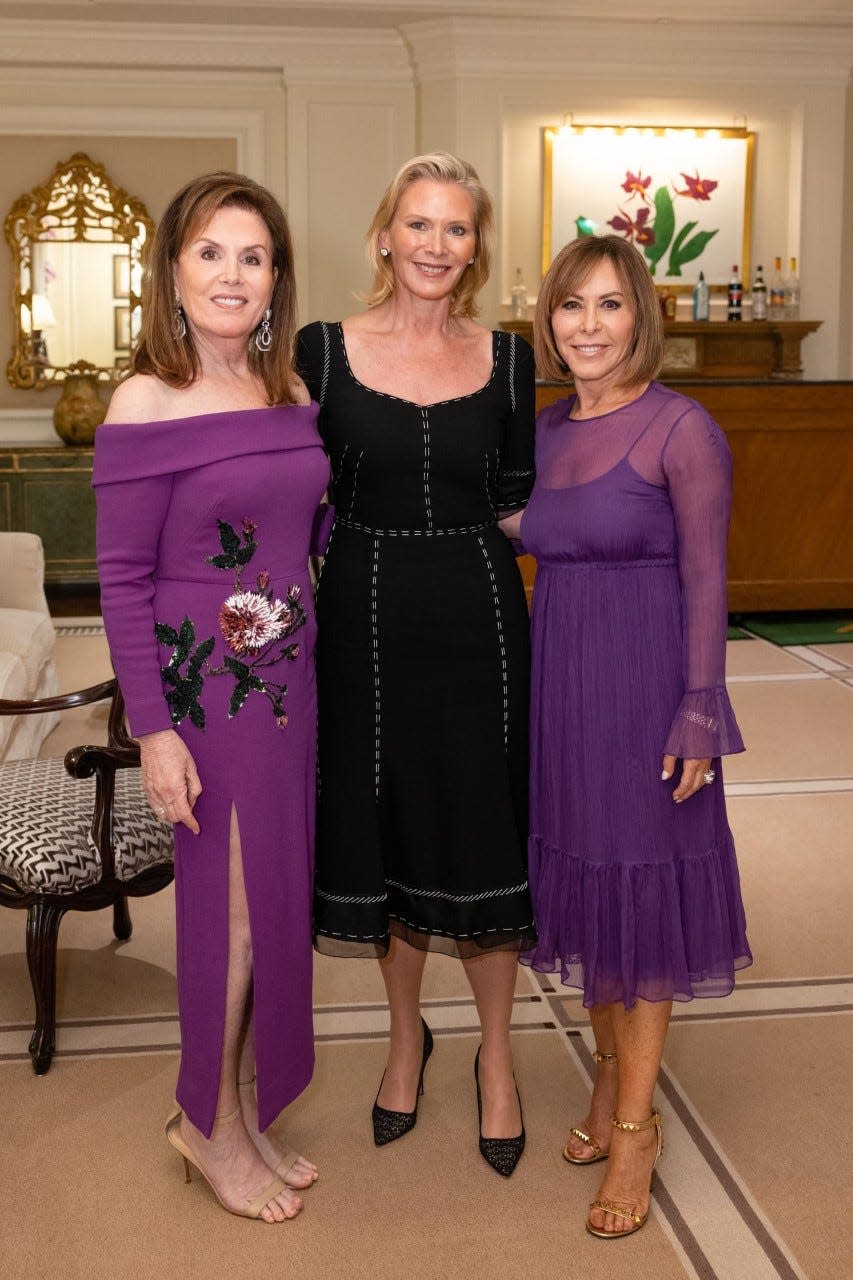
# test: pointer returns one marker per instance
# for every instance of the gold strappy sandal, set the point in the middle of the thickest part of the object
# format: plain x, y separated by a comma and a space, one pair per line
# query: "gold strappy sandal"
608, 1060
636, 1220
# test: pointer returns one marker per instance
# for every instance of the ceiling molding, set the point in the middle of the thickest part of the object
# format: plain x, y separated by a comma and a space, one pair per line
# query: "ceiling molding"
513, 50
298, 54
391, 13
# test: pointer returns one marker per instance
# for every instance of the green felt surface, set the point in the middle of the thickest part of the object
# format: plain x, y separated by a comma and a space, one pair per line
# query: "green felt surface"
800, 628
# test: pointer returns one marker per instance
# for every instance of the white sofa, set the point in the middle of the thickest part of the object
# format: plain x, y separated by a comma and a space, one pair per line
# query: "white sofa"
27, 638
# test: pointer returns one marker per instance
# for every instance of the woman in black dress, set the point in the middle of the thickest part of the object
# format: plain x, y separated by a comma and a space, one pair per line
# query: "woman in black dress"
423, 653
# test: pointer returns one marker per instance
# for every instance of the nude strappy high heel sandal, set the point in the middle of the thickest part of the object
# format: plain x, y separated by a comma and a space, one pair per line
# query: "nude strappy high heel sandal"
289, 1157
627, 1212
607, 1060
254, 1207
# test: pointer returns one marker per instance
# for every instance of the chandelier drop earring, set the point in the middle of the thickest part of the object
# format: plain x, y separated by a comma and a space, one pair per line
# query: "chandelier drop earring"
263, 337
179, 324
384, 252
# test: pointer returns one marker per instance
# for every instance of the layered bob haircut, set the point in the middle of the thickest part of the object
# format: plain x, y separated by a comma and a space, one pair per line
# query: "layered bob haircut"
438, 166
175, 360
567, 273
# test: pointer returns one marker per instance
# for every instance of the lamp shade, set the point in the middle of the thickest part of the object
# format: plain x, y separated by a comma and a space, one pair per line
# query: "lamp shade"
43, 317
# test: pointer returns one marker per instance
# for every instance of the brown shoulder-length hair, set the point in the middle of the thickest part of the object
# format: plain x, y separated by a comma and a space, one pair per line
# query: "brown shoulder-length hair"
438, 166
175, 360
567, 273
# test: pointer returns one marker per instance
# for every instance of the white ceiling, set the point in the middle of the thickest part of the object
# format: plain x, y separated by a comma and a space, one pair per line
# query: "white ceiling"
384, 13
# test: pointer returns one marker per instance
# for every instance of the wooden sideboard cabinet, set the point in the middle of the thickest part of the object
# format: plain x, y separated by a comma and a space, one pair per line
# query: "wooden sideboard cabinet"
720, 349
47, 489
791, 538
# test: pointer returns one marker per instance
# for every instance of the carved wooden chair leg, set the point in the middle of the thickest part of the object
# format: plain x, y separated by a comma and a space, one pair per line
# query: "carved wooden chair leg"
42, 934
122, 923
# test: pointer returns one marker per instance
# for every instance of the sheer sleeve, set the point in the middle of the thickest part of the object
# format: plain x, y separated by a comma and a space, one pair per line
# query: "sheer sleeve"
516, 472
130, 515
697, 465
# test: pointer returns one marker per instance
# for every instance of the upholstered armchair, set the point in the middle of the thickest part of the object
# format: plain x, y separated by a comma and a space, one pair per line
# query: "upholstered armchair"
75, 835
26, 642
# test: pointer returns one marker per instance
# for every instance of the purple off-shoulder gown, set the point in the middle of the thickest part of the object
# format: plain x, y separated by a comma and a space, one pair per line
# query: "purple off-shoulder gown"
191, 513
634, 895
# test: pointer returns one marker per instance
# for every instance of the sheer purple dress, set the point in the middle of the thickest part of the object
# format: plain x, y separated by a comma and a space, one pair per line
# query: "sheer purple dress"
204, 530
634, 896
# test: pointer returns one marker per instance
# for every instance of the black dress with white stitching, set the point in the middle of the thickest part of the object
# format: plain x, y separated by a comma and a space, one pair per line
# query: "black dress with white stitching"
423, 662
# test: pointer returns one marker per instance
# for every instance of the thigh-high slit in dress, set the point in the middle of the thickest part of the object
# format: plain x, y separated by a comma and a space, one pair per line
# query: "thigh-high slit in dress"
204, 529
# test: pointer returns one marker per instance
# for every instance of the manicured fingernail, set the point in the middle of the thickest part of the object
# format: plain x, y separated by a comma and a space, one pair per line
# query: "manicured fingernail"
678, 799
665, 776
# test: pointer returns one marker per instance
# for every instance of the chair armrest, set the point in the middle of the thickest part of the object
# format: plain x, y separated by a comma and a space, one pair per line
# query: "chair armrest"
82, 762
62, 702
22, 572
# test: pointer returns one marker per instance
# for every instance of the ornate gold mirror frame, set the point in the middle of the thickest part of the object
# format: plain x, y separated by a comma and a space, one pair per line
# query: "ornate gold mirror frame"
57, 303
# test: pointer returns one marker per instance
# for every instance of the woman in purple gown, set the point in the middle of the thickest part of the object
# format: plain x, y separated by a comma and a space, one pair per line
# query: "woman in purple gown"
209, 472
632, 866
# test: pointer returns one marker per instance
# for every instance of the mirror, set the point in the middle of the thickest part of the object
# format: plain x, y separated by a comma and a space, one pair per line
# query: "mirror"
78, 246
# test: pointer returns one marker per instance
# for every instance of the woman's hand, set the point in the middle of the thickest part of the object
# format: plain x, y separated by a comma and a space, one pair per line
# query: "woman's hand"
169, 777
510, 526
692, 776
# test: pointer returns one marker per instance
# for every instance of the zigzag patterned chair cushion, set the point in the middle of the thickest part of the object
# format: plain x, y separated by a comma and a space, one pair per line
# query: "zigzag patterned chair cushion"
46, 843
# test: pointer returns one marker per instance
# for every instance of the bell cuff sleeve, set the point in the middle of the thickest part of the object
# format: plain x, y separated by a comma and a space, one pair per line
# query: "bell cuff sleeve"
704, 726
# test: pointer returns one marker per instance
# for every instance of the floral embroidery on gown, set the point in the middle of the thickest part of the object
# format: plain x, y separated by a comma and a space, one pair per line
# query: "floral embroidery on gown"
167, 492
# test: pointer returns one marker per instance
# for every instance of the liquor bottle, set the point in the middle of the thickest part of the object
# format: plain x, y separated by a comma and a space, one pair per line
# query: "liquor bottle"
759, 296
792, 287
735, 294
777, 288
701, 299
518, 297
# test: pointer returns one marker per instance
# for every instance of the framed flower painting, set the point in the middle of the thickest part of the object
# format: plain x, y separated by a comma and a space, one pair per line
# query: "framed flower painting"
683, 196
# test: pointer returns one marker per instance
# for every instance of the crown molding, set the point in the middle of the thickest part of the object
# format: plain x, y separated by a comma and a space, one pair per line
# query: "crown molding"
298, 54
515, 49
571, 50
385, 13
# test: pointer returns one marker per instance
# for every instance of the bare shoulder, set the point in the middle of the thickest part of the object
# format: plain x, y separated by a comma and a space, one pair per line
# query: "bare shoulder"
362, 321
139, 398
301, 394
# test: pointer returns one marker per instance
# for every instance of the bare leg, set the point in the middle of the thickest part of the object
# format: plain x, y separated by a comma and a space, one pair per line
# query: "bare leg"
639, 1035
229, 1158
298, 1172
603, 1103
492, 977
402, 970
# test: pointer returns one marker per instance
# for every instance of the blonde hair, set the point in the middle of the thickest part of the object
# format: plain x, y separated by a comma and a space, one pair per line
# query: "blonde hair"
438, 166
567, 272
175, 360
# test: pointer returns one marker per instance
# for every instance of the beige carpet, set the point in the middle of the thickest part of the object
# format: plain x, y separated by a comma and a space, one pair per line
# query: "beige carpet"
754, 1089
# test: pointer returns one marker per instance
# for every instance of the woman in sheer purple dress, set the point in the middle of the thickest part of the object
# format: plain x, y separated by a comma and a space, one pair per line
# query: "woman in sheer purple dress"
632, 866
209, 471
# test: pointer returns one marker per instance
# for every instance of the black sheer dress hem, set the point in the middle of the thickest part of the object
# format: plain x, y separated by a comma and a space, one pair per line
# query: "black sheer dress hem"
459, 947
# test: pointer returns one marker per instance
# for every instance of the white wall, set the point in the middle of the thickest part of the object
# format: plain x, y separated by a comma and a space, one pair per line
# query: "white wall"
325, 115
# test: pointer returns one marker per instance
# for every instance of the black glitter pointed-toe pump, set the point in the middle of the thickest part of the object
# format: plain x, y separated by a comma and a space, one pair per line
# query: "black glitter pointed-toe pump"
503, 1154
388, 1126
